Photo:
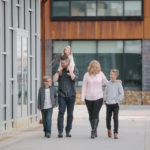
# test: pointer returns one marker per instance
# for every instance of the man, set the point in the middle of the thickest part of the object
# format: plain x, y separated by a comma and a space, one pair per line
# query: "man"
66, 77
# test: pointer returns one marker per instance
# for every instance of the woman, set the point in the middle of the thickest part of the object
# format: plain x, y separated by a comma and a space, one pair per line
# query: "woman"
92, 93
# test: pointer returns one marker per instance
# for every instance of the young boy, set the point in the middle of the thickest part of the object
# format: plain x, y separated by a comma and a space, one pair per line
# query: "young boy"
113, 95
47, 99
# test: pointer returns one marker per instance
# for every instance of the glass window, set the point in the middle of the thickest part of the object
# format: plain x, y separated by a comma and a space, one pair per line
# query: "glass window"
133, 66
58, 47
60, 8
110, 56
83, 52
95, 8
83, 8
110, 8
133, 8
124, 55
19, 75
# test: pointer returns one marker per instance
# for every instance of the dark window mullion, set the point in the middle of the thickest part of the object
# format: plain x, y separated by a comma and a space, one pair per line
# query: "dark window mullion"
123, 7
96, 7
70, 2
124, 63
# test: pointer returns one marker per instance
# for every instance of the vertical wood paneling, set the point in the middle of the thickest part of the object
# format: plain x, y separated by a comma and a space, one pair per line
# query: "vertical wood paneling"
98, 29
146, 19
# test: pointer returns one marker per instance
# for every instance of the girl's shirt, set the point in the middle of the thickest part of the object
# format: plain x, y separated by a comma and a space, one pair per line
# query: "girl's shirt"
92, 86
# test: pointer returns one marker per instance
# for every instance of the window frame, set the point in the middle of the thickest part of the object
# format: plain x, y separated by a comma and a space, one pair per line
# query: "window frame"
96, 18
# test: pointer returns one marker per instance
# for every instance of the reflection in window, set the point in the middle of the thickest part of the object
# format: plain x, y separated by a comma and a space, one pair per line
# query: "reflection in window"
110, 8
61, 8
97, 8
124, 55
133, 8
83, 52
133, 63
19, 75
110, 56
22, 74
83, 8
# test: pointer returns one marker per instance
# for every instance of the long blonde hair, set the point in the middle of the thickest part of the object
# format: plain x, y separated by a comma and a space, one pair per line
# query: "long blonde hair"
92, 65
63, 53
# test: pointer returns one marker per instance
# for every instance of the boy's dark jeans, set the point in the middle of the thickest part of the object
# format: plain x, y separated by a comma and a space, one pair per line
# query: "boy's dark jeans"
47, 119
63, 103
112, 108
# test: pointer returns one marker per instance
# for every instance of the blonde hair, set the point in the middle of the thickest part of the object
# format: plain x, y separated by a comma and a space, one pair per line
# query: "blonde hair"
46, 78
92, 65
63, 53
115, 71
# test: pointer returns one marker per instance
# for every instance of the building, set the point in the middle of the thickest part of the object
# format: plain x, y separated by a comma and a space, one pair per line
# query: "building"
114, 32
20, 63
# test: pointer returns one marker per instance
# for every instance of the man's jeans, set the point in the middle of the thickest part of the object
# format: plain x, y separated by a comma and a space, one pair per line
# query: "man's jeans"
63, 103
47, 119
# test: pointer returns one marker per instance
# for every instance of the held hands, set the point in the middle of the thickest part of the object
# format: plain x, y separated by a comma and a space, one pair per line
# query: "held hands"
82, 102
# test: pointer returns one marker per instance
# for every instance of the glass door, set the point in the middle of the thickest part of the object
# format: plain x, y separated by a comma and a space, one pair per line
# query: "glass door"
22, 74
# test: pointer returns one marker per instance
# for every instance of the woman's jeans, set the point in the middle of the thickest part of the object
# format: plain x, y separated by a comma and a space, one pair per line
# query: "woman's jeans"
47, 119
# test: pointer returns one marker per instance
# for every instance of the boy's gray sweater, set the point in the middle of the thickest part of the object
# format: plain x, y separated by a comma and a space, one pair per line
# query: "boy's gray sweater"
113, 92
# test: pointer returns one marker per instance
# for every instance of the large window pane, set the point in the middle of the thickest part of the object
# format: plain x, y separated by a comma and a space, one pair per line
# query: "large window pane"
19, 76
83, 8
133, 8
25, 75
60, 8
83, 52
58, 47
133, 64
110, 56
124, 55
110, 8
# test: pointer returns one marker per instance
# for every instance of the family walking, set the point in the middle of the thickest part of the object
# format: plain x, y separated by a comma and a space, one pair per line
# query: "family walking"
92, 95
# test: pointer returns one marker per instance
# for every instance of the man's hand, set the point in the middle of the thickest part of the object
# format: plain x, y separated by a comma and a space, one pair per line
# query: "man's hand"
56, 75
60, 69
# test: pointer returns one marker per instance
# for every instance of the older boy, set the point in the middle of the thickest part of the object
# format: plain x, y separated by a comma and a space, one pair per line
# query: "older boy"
113, 95
47, 99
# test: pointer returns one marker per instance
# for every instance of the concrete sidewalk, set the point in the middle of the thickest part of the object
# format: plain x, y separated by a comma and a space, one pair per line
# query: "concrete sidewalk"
134, 133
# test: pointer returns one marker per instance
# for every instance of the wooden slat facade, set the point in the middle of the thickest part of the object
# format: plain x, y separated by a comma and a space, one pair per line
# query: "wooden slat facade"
98, 29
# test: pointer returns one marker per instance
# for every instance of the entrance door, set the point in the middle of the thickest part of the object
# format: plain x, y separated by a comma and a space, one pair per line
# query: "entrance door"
22, 73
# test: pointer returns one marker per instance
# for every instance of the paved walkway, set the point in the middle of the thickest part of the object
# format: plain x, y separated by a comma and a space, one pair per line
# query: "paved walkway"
134, 133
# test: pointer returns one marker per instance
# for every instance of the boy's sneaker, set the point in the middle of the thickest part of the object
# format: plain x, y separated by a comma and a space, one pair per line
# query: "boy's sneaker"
109, 133
115, 135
